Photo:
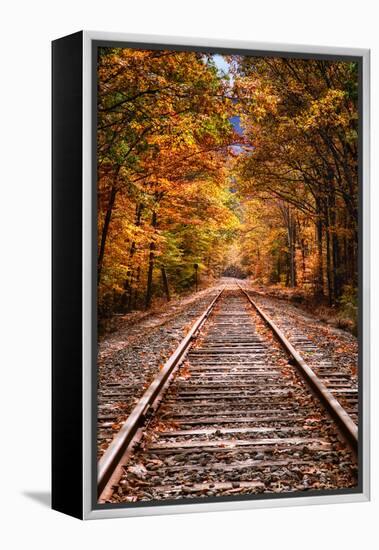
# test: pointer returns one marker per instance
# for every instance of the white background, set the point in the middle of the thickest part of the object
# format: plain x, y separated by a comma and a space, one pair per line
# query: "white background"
26, 31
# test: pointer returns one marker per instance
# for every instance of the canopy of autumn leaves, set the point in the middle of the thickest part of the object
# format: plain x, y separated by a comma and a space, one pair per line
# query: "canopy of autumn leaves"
180, 184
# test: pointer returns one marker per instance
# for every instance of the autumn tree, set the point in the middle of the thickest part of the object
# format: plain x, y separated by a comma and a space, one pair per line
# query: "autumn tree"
163, 135
300, 117
180, 184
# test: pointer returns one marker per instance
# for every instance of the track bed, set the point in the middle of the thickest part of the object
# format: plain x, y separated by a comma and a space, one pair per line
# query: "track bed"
236, 418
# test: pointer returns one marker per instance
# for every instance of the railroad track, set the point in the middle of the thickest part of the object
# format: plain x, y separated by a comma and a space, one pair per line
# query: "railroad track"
235, 410
340, 381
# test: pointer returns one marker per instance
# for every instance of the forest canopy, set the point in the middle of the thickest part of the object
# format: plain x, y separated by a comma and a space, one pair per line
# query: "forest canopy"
234, 165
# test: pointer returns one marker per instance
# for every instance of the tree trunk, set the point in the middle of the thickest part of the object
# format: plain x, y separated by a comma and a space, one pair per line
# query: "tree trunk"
335, 246
133, 298
165, 283
328, 262
126, 298
149, 287
319, 290
303, 266
291, 235
279, 268
258, 264
288, 269
293, 254
104, 232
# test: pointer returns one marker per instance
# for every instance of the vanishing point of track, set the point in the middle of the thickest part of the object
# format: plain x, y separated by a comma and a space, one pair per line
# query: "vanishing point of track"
235, 410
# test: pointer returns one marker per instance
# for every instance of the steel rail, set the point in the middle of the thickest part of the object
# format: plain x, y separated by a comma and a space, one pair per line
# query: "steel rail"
149, 401
332, 405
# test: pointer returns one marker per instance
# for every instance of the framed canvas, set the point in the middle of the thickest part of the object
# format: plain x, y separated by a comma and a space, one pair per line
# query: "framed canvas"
210, 275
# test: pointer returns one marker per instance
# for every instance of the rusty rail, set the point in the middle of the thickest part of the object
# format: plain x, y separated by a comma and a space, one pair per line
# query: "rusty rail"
332, 405
125, 438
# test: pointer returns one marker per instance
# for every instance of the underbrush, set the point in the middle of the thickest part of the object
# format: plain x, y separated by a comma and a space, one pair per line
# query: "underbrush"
110, 317
344, 315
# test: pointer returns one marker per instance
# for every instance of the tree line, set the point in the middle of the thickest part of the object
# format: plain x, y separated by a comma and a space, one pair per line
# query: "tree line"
299, 177
163, 196
182, 190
